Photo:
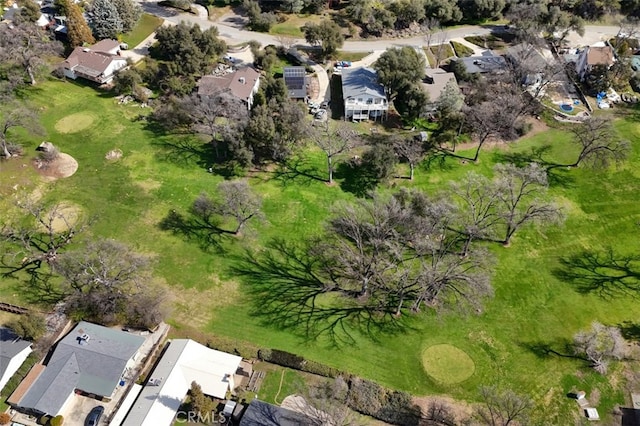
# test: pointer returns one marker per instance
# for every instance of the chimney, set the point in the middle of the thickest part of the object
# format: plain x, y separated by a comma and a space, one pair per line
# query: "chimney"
242, 80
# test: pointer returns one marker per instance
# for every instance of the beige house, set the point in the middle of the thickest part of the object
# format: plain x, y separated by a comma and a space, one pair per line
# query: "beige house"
97, 63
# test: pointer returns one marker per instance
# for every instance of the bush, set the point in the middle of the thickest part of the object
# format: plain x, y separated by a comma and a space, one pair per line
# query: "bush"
296, 362
57, 421
371, 399
29, 327
5, 418
184, 5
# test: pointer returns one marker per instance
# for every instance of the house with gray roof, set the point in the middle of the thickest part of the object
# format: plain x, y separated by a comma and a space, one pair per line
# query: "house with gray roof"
13, 352
260, 413
488, 62
364, 97
91, 359
295, 78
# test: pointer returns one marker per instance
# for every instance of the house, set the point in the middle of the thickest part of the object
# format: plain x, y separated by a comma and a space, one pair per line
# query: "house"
183, 362
13, 352
242, 84
364, 97
91, 359
97, 63
592, 56
488, 62
435, 81
260, 413
295, 78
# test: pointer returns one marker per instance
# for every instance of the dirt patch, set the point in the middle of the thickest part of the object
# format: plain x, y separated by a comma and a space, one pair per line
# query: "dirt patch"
62, 167
75, 123
113, 155
64, 216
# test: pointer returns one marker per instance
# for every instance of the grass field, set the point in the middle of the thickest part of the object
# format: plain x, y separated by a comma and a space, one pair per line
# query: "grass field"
461, 50
291, 27
147, 24
512, 343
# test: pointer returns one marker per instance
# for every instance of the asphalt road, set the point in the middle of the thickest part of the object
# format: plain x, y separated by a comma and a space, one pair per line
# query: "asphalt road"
235, 34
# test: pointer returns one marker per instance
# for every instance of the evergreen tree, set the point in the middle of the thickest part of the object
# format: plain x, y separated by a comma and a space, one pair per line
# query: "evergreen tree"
104, 19
78, 31
129, 13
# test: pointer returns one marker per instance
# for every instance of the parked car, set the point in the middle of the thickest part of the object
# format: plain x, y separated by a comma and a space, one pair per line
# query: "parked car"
314, 110
93, 418
324, 104
343, 64
320, 114
230, 59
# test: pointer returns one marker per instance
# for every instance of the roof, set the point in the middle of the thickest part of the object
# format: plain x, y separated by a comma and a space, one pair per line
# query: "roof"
183, 362
91, 358
487, 62
597, 55
25, 384
361, 81
105, 46
435, 82
260, 413
295, 78
10, 345
240, 83
90, 62
529, 56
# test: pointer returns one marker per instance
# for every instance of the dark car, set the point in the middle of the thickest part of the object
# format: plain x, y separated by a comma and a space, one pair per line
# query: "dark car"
94, 416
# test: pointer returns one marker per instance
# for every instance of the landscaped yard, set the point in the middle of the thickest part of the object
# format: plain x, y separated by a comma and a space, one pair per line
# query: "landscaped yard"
147, 25
513, 342
291, 27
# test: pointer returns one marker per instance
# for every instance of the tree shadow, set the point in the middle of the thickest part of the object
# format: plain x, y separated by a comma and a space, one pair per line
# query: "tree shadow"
545, 350
289, 293
356, 179
605, 273
630, 331
297, 171
40, 287
557, 174
192, 228
179, 148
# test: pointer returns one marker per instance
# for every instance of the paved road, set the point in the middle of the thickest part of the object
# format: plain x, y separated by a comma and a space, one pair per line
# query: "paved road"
235, 34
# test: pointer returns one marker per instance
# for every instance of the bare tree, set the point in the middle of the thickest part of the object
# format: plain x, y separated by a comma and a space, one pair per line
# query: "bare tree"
26, 46
30, 244
478, 215
600, 345
598, 143
503, 408
519, 191
238, 202
326, 403
411, 149
108, 282
287, 42
12, 116
333, 142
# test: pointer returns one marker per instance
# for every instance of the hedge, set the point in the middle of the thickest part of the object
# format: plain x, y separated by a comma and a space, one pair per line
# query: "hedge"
17, 377
287, 359
390, 406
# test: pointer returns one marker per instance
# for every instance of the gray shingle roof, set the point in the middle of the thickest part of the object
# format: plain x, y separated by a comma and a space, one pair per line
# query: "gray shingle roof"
361, 81
10, 346
94, 366
260, 413
487, 62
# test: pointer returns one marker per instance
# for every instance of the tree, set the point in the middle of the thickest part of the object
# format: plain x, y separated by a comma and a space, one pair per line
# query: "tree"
600, 345
14, 116
379, 161
5, 418
598, 144
411, 149
444, 11
30, 326
26, 46
57, 421
200, 403
293, 6
480, 10
326, 34
258, 20
519, 190
411, 101
129, 13
327, 402
30, 12
237, 201
597, 79
334, 142
562, 22
450, 102
104, 19
398, 68
78, 31
127, 81
503, 408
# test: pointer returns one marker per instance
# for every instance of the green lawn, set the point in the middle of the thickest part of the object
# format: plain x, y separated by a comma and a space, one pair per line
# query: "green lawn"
351, 56
461, 50
291, 26
146, 26
533, 311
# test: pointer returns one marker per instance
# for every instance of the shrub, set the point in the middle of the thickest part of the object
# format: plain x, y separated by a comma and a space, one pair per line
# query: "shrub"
57, 421
297, 362
371, 399
5, 418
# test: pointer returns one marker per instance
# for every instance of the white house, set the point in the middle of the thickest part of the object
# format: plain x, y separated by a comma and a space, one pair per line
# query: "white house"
592, 56
183, 362
97, 63
364, 97
13, 352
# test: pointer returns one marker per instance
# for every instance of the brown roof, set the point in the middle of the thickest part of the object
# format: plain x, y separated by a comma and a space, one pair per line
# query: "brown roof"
240, 83
88, 62
105, 45
597, 55
25, 384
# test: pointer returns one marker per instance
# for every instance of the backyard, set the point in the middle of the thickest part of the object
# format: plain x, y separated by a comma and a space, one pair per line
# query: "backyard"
516, 342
